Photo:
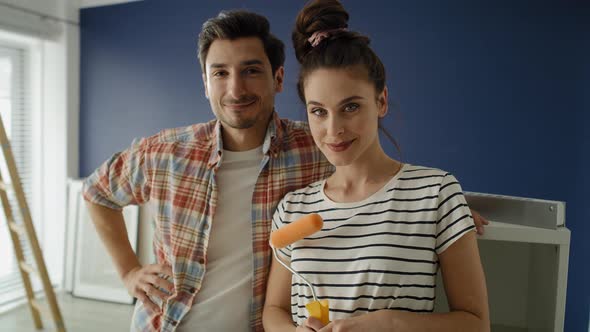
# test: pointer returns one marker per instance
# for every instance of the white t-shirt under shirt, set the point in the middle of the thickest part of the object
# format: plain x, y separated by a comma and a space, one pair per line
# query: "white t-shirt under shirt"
224, 300
379, 253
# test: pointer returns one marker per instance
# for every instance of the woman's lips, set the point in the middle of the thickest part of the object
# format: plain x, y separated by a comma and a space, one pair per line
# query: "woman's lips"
339, 147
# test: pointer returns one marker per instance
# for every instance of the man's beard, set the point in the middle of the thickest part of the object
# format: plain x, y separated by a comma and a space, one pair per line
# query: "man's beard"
240, 124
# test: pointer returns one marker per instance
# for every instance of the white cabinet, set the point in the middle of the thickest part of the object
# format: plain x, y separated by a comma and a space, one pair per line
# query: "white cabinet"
524, 253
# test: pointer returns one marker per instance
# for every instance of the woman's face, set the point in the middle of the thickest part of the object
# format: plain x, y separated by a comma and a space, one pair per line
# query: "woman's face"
343, 110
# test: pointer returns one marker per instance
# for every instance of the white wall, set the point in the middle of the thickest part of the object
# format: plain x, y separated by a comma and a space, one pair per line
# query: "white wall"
37, 18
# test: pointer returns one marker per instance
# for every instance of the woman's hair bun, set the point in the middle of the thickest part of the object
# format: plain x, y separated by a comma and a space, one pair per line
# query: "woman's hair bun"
317, 15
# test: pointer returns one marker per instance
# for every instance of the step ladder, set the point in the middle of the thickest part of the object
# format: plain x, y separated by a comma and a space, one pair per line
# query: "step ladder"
18, 231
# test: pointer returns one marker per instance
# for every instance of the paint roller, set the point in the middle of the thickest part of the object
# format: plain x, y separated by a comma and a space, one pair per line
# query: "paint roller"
293, 232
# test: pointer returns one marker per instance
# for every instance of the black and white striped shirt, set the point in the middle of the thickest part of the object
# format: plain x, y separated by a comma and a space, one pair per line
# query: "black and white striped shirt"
379, 253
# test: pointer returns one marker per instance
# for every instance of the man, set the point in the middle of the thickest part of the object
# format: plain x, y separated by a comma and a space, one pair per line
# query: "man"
214, 188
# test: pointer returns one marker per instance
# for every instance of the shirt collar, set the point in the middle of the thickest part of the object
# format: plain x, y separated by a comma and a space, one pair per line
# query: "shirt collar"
270, 146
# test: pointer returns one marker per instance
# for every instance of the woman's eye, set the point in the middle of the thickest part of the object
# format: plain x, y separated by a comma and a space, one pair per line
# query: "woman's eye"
318, 111
351, 107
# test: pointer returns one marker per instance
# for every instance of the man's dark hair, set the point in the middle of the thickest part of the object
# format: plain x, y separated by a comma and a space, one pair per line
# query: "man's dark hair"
239, 24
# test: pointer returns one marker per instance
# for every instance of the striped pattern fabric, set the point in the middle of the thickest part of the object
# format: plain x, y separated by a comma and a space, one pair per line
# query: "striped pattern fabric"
174, 171
380, 253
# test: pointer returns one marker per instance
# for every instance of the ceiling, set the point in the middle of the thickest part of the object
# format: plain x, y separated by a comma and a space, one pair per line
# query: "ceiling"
97, 3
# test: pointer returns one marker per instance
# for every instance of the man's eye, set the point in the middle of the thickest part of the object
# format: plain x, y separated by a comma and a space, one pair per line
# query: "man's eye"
252, 71
351, 107
219, 74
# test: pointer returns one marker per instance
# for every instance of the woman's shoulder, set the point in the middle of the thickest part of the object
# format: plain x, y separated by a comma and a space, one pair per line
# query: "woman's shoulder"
421, 177
415, 171
309, 191
303, 197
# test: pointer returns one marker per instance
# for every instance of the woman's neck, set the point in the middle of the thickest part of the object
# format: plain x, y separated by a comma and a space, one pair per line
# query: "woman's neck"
362, 178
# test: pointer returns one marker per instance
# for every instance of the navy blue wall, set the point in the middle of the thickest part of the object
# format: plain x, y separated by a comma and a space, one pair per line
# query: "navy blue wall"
496, 92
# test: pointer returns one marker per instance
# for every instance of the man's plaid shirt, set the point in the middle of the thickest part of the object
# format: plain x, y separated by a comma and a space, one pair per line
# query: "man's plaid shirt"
174, 171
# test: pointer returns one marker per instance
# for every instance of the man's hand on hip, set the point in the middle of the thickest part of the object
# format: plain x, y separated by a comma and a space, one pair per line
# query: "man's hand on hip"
145, 281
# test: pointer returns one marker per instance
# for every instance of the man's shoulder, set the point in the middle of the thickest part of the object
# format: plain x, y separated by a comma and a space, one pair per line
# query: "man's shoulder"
295, 127
199, 133
296, 133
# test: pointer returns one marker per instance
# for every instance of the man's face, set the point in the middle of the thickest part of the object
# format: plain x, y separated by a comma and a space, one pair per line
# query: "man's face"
239, 82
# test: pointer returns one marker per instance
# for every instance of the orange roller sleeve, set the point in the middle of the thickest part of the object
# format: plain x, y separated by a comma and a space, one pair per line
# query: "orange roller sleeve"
296, 230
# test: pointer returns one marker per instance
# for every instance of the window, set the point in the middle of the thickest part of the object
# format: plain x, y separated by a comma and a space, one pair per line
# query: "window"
17, 117
41, 96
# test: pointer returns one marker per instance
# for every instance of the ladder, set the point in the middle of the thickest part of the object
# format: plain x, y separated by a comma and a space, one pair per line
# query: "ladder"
19, 230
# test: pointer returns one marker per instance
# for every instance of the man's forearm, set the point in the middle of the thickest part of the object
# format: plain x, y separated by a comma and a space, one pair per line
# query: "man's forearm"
111, 229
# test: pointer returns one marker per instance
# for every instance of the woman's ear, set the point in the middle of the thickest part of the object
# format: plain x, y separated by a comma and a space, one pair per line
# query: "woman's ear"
382, 102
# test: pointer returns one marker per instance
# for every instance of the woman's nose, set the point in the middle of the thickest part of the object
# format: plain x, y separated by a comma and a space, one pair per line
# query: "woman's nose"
335, 126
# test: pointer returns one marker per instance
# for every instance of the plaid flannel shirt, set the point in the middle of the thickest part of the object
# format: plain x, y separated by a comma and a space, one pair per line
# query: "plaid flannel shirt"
174, 171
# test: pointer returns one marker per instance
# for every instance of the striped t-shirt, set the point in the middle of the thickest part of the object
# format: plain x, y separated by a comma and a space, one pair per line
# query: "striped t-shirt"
379, 253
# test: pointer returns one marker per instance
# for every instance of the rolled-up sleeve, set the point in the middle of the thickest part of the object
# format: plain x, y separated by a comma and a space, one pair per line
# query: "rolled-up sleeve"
121, 180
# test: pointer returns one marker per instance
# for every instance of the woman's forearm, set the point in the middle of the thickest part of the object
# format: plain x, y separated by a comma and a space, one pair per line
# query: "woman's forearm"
401, 321
277, 319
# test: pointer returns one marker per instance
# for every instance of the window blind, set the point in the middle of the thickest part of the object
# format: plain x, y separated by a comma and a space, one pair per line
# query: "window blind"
17, 117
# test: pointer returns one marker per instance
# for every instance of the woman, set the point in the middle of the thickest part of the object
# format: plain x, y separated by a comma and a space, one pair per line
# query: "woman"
388, 226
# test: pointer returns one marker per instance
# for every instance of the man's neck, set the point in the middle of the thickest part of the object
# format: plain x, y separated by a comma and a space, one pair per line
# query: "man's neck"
243, 139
